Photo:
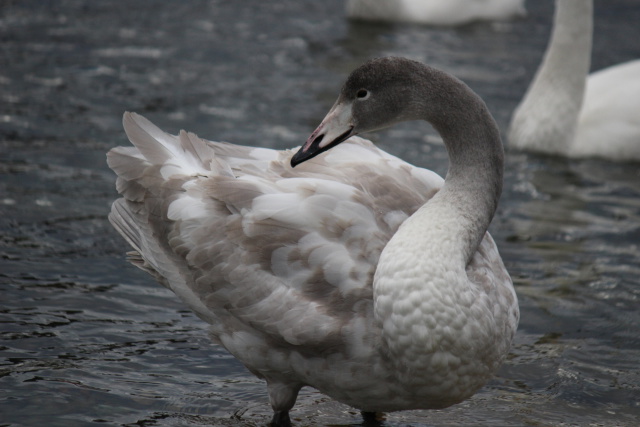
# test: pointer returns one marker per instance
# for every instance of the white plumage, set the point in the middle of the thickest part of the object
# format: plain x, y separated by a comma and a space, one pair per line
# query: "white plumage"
434, 12
568, 113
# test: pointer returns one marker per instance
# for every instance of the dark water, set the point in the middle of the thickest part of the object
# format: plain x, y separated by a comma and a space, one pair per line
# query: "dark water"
88, 340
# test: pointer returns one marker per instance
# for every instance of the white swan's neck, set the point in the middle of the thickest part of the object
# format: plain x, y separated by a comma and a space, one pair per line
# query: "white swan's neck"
547, 117
420, 283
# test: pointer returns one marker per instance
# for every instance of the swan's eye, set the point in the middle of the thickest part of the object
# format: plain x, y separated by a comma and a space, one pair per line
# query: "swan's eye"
362, 94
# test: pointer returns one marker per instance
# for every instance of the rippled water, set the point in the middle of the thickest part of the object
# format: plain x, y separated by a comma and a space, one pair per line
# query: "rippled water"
87, 339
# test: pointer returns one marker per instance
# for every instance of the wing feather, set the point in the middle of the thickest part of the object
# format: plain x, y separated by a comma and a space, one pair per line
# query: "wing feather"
242, 237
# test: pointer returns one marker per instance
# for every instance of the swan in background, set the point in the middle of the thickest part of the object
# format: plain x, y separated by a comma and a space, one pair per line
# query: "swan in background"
566, 113
356, 273
434, 12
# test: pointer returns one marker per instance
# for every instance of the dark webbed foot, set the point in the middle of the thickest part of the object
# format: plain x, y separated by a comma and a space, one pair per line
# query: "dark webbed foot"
371, 419
280, 419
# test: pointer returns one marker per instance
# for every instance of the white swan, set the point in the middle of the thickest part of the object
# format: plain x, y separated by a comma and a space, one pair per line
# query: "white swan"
434, 12
566, 113
355, 273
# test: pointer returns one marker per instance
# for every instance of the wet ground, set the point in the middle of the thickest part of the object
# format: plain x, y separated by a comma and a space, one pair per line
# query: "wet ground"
86, 339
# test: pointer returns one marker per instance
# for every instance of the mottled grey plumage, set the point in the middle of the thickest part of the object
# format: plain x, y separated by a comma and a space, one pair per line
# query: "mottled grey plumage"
281, 261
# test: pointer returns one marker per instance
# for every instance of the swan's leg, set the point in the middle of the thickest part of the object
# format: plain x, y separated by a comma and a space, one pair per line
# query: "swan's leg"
282, 397
280, 419
370, 419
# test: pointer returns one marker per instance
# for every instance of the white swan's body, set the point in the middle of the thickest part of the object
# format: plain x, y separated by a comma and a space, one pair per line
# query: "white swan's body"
281, 263
434, 12
565, 112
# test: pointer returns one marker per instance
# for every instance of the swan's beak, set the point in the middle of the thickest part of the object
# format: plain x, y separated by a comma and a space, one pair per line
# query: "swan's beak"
336, 127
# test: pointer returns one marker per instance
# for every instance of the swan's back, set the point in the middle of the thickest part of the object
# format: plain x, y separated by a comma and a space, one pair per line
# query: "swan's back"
434, 12
609, 121
250, 243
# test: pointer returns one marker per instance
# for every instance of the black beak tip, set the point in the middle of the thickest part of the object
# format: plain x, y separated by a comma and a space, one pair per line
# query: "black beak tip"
303, 155
296, 159
314, 149
307, 152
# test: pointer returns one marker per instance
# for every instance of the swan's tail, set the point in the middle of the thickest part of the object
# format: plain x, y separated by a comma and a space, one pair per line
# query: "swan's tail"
185, 154
153, 173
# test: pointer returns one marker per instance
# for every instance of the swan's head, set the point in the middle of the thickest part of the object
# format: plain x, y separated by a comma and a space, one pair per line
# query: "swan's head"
376, 95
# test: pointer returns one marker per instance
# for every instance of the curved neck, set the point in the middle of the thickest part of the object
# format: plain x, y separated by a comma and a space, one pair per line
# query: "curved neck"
473, 183
450, 226
547, 116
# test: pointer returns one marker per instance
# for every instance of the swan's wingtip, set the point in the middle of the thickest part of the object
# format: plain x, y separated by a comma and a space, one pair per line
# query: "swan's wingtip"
128, 120
134, 123
130, 117
127, 116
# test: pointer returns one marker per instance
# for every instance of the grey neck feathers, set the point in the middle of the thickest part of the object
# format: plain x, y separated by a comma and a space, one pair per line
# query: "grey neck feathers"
474, 180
